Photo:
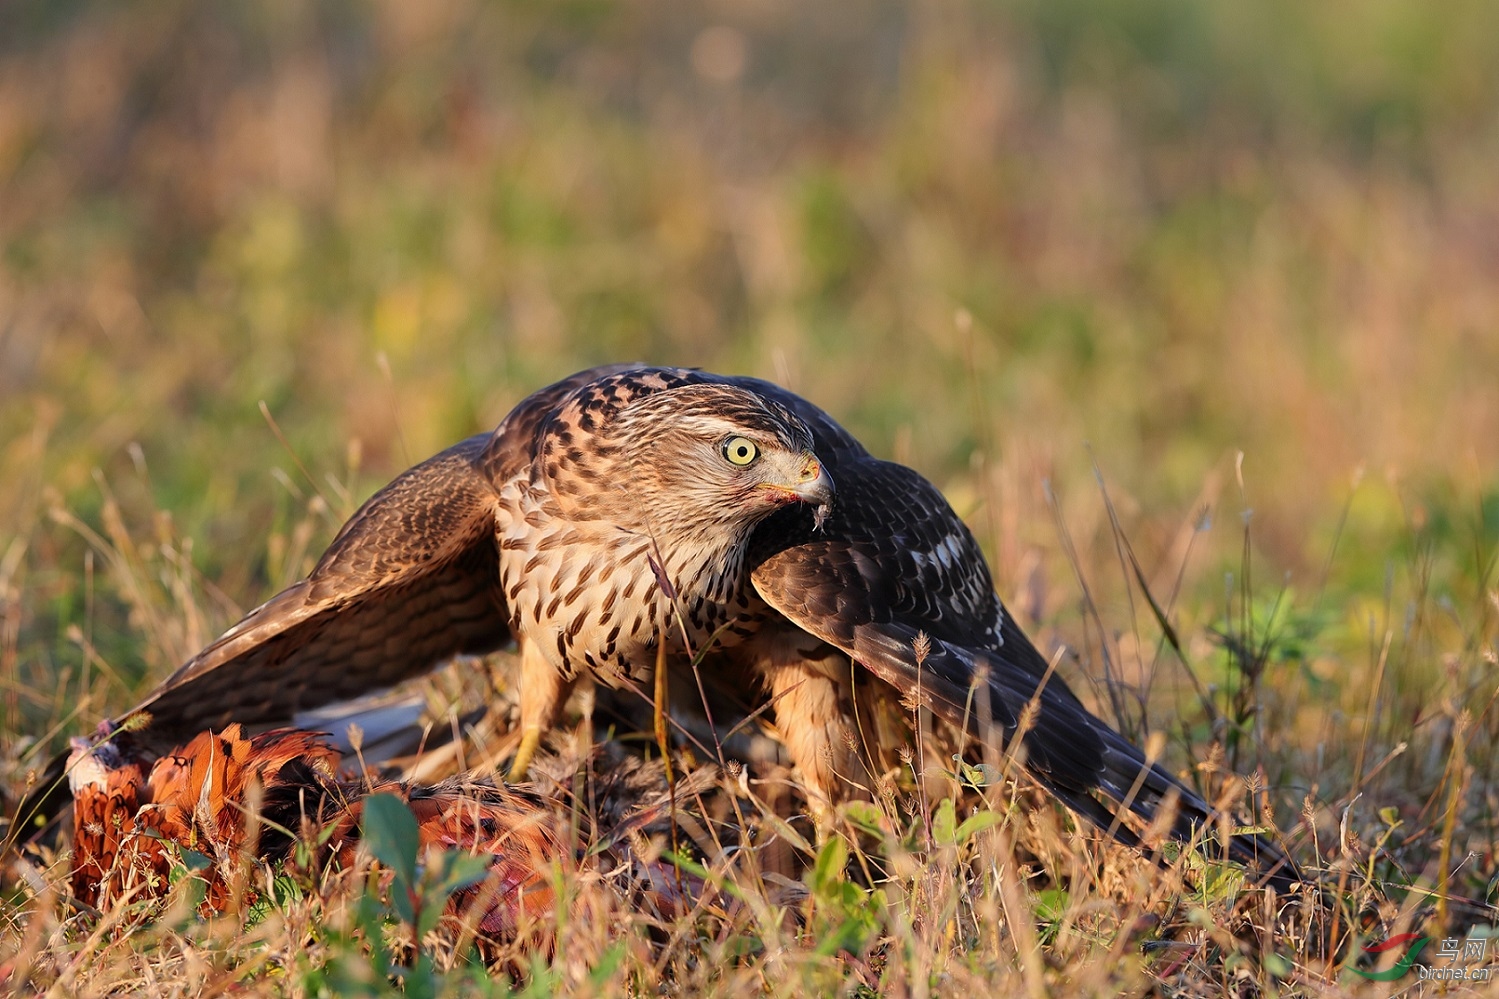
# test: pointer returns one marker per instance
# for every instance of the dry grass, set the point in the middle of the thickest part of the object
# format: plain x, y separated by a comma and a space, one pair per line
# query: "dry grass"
1236, 262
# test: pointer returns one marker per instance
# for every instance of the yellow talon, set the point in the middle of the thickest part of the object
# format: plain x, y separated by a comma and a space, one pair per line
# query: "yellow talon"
529, 743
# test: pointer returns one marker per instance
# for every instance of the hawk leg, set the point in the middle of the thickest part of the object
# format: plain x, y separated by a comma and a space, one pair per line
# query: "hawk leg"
543, 692
888, 733
812, 693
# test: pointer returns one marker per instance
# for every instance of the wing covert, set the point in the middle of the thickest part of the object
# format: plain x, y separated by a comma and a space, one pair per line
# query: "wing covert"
891, 549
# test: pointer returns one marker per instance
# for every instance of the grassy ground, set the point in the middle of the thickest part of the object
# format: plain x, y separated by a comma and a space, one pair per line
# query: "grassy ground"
1211, 284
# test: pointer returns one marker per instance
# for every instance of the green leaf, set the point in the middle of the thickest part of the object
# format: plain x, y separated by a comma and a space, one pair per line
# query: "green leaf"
603, 972
427, 917
452, 870
866, 816
783, 829
828, 871
195, 861
1278, 964
455, 870
285, 889
850, 918
1050, 908
848, 935
403, 901
977, 823
1220, 881
944, 824
420, 980
1051, 904
390, 832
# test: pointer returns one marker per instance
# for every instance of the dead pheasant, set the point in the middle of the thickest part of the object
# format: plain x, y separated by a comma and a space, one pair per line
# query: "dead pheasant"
239, 800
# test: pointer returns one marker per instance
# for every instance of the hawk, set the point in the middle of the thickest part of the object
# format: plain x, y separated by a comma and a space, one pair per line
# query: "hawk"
628, 513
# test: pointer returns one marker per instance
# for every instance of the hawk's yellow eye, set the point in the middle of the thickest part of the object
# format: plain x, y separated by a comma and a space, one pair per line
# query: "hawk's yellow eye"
740, 450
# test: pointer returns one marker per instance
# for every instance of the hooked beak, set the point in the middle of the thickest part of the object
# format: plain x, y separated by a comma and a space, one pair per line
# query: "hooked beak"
816, 485
812, 485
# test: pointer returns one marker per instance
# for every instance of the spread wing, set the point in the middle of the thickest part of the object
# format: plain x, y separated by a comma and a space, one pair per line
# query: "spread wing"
896, 581
411, 580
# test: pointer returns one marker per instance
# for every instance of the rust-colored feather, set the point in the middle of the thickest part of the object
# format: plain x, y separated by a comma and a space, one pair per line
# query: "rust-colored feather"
106, 795
523, 840
208, 794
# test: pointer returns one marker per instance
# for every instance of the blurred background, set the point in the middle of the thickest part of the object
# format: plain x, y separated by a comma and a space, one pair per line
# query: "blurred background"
1236, 263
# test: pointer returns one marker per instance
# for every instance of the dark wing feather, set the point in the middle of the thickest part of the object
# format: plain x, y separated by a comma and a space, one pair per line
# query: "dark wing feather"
893, 562
411, 580
875, 577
